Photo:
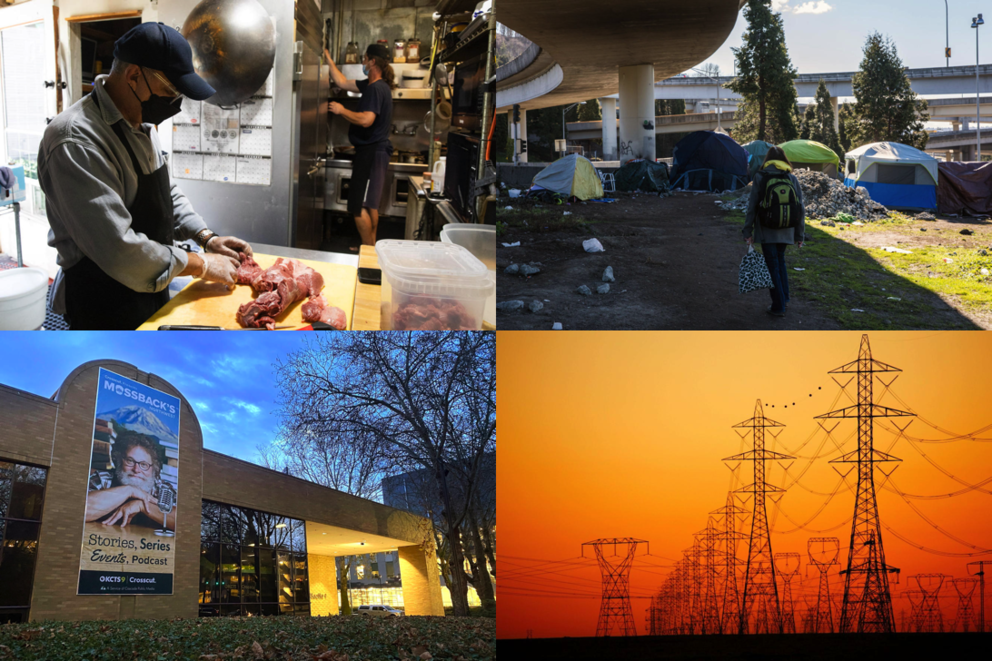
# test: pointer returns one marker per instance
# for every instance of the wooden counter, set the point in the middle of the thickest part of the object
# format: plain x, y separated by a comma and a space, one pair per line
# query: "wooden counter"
366, 313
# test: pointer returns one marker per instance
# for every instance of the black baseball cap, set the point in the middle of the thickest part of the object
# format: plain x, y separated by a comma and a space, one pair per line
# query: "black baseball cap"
158, 46
377, 50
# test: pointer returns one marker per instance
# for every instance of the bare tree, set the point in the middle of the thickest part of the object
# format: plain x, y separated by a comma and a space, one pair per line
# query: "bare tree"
415, 400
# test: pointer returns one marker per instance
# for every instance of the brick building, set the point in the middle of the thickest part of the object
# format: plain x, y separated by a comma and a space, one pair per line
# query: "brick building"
255, 542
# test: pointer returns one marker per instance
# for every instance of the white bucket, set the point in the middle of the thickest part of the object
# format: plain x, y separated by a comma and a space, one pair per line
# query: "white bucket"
23, 293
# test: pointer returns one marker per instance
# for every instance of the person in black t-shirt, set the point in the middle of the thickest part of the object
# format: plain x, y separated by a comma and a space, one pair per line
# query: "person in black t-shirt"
369, 134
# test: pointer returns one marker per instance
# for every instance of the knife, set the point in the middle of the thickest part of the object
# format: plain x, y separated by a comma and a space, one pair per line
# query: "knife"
215, 328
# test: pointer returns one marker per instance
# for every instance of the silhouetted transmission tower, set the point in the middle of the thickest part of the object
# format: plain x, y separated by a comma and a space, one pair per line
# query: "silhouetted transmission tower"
867, 603
760, 597
822, 553
965, 617
614, 610
931, 619
787, 565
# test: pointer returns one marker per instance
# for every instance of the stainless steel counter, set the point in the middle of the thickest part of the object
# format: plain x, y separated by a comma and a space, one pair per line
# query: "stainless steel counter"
315, 255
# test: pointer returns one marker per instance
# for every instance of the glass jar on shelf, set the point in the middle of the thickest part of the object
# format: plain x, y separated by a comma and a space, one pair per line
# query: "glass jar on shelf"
399, 51
413, 50
351, 53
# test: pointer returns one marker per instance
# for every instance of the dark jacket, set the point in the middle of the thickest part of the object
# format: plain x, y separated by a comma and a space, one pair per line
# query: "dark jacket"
762, 234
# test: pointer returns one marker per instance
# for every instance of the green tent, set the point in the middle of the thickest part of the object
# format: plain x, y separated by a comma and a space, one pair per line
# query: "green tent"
643, 175
811, 155
757, 150
571, 175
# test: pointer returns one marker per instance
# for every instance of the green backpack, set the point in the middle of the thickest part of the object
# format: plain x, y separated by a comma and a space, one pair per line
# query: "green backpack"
779, 206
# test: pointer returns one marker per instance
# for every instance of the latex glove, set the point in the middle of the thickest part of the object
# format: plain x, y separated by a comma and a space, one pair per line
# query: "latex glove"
229, 246
219, 268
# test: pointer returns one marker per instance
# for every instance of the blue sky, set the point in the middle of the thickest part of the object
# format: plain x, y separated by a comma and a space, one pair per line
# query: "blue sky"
827, 35
228, 377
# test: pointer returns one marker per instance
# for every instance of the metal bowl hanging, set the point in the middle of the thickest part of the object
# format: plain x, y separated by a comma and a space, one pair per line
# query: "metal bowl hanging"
234, 46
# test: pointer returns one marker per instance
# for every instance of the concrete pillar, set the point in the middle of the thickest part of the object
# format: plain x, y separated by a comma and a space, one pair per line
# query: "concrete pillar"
522, 134
421, 581
836, 108
955, 126
637, 136
965, 124
324, 592
609, 107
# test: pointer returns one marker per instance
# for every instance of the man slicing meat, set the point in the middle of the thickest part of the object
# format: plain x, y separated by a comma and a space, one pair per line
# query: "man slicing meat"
369, 134
114, 212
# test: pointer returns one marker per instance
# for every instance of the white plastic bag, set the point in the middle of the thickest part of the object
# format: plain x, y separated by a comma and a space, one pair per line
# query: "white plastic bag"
593, 245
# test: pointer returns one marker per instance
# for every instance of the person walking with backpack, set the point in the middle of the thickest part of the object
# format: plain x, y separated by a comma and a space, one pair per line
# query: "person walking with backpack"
776, 218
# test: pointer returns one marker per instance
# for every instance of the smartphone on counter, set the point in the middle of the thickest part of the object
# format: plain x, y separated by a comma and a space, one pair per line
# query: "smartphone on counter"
370, 276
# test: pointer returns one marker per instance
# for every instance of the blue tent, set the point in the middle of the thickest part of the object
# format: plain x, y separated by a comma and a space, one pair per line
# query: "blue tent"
895, 175
708, 160
757, 150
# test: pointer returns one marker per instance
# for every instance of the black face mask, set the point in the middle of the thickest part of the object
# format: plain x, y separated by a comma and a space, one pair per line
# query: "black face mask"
157, 108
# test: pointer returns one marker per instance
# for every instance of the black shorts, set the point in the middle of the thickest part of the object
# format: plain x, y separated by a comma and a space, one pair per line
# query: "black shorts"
368, 174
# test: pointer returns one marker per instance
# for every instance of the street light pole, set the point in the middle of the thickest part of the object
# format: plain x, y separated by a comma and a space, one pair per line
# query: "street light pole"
565, 110
947, 28
975, 23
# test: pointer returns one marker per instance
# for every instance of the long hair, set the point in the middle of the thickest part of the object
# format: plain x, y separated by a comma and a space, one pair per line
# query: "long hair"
388, 74
776, 154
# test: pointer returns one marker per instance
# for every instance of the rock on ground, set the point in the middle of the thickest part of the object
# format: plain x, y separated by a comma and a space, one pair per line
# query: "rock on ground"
608, 275
510, 306
585, 291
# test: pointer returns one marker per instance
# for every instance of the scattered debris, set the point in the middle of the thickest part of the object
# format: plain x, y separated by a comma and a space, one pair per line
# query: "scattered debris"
828, 223
826, 197
856, 310
608, 275
566, 213
593, 245
514, 192
898, 250
556, 326
585, 291
948, 260
924, 215
508, 208
983, 253
603, 289
984, 271
535, 306
893, 298
923, 229
512, 269
511, 245
967, 232
529, 269
510, 306
796, 268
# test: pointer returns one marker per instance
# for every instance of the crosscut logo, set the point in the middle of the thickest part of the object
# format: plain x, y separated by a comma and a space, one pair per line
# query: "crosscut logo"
153, 402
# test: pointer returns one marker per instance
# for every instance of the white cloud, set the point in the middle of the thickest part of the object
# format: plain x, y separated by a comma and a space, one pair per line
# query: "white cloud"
818, 7
810, 7
251, 408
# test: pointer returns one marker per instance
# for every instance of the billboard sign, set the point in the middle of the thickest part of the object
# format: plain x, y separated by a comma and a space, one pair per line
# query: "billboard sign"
129, 538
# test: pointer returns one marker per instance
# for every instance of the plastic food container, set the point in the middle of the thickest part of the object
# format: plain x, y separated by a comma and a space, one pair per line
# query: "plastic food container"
480, 240
23, 294
430, 285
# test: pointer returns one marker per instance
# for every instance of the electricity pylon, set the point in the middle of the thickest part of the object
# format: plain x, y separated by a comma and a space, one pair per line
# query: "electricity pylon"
787, 565
916, 602
930, 616
965, 587
709, 615
981, 564
867, 605
760, 596
730, 613
824, 557
614, 610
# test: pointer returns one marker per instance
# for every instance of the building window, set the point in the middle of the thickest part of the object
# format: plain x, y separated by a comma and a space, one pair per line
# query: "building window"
252, 563
22, 494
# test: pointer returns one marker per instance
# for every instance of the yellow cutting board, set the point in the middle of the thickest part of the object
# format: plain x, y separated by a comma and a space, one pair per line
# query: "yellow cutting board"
211, 304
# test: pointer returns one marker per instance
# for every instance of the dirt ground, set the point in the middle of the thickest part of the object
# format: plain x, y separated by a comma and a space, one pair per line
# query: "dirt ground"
676, 262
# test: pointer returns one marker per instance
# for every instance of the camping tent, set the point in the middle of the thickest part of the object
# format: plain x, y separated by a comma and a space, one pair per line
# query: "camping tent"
571, 175
756, 151
707, 160
643, 175
811, 155
965, 188
894, 175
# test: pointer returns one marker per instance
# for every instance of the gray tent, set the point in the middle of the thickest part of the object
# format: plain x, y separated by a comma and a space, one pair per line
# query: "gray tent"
571, 175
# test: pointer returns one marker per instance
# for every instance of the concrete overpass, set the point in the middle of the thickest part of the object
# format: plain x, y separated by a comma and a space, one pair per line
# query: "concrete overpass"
589, 50
959, 145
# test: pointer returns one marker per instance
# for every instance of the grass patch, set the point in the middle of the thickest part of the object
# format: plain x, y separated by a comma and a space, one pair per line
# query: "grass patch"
284, 638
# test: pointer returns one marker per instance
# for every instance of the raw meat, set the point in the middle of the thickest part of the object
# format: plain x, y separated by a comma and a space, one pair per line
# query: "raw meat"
248, 270
278, 286
317, 309
424, 313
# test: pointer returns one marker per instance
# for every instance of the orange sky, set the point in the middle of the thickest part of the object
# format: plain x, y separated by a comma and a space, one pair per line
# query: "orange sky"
613, 434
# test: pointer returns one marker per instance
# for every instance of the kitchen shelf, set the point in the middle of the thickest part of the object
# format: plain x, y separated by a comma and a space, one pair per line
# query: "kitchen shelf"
474, 46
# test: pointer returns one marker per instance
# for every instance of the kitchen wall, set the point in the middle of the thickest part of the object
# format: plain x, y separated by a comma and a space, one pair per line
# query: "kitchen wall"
385, 19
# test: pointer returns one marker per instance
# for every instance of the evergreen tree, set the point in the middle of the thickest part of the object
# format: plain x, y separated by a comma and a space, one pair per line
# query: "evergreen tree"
765, 76
886, 108
808, 118
842, 137
822, 127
